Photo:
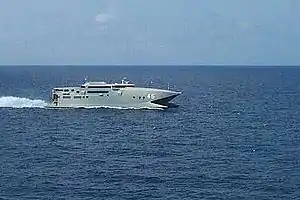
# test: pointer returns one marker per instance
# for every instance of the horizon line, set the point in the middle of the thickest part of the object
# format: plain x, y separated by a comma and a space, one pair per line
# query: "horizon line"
146, 65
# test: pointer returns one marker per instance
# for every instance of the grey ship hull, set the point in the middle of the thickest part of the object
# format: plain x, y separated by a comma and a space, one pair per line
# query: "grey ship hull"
129, 97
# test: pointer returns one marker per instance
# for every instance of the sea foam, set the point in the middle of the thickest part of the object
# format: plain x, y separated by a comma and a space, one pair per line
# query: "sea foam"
18, 102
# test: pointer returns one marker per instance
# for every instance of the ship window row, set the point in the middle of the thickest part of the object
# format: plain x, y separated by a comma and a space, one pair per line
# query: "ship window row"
75, 97
121, 86
65, 90
96, 87
79, 97
107, 86
97, 92
134, 97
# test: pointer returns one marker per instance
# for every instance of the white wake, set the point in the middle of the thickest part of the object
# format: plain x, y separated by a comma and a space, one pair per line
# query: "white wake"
17, 102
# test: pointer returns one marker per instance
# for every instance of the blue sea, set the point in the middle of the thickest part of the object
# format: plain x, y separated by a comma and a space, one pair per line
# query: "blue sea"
235, 135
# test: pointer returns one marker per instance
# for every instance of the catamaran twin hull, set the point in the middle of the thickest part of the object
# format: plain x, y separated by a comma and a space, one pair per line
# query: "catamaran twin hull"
117, 95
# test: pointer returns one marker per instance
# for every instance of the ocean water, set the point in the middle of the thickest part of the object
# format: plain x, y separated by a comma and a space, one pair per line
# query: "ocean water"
236, 135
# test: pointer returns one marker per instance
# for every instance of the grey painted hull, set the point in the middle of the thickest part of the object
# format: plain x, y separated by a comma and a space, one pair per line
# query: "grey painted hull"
130, 98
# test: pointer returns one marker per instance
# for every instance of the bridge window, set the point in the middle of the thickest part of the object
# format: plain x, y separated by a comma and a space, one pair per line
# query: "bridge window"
115, 89
103, 86
97, 92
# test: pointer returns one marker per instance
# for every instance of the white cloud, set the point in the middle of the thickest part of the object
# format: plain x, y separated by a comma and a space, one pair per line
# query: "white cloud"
103, 18
244, 26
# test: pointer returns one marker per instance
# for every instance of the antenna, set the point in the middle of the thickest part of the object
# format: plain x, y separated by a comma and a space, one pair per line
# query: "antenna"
169, 84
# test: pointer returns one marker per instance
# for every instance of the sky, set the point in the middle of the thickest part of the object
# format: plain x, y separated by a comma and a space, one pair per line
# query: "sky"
149, 32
